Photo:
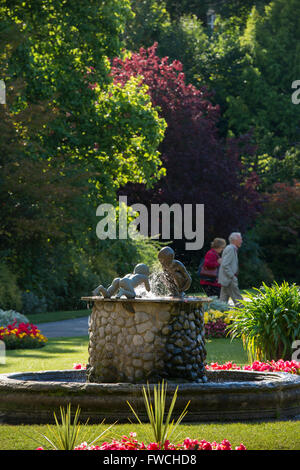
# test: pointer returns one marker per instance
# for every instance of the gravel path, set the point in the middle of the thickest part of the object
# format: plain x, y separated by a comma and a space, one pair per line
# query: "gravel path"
66, 328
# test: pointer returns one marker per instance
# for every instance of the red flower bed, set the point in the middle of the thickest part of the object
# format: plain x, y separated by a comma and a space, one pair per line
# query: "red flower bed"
130, 443
22, 336
292, 367
216, 329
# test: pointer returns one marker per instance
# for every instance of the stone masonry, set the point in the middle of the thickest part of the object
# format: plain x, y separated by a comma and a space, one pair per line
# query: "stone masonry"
143, 340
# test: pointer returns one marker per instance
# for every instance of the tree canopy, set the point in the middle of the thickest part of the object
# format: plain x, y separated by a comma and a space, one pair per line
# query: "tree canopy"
147, 98
201, 166
71, 136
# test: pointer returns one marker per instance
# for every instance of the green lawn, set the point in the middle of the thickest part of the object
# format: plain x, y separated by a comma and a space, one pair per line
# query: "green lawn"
280, 435
57, 316
223, 350
61, 353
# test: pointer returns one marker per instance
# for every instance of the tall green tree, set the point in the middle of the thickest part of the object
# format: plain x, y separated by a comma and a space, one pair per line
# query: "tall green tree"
189, 7
71, 137
64, 60
147, 24
251, 66
262, 98
271, 43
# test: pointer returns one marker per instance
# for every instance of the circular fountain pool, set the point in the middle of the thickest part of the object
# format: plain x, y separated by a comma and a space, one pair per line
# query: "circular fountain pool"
226, 396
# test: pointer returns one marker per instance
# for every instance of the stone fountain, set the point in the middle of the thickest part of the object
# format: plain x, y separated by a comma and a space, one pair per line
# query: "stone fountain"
147, 339
136, 339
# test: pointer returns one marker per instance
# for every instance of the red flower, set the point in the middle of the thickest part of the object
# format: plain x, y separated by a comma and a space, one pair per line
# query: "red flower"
241, 447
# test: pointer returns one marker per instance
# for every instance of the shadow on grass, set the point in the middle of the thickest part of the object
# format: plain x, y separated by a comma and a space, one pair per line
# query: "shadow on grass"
54, 346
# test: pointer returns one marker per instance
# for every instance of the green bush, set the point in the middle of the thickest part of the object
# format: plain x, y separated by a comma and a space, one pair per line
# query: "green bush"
278, 230
10, 294
218, 305
56, 279
119, 257
13, 342
268, 322
33, 304
253, 269
9, 316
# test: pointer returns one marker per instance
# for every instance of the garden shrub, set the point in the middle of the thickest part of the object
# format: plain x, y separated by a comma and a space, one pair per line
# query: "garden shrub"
269, 322
33, 304
119, 257
253, 268
216, 322
10, 294
22, 336
218, 305
57, 279
278, 231
9, 316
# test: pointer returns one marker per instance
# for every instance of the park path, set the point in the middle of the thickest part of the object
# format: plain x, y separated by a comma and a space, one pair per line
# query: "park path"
65, 328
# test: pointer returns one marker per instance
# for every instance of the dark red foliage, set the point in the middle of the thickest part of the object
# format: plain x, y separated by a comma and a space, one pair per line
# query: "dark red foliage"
201, 167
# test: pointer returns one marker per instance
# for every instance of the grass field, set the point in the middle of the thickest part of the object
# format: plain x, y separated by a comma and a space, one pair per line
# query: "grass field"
61, 353
57, 316
255, 436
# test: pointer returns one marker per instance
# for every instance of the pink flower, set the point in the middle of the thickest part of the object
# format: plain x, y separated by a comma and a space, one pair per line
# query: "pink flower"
153, 446
292, 367
226, 444
241, 447
78, 365
132, 444
206, 445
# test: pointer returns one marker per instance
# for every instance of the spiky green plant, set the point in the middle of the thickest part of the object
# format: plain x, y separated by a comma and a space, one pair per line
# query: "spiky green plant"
160, 420
268, 321
65, 435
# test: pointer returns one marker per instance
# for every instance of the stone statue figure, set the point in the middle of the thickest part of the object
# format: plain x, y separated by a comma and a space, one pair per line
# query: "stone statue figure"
126, 285
175, 275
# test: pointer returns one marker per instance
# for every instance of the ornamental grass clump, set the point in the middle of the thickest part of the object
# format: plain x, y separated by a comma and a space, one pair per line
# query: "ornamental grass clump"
66, 434
268, 322
160, 419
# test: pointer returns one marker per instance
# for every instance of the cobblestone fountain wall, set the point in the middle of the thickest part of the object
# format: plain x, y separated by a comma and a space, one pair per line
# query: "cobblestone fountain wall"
146, 340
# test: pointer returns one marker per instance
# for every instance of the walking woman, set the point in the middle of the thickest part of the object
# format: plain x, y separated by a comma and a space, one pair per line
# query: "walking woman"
210, 268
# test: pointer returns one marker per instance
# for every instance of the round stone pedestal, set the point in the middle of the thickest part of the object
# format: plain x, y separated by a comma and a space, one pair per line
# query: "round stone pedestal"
230, 395
139, 340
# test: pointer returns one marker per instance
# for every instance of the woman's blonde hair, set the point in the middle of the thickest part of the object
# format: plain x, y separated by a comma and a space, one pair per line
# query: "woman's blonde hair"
218, 243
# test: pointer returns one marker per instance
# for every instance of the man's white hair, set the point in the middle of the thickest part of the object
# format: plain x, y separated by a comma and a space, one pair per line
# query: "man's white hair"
234, 236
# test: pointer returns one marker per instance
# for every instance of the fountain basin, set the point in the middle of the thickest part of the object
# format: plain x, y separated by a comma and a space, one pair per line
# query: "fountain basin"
31, 398
146, 339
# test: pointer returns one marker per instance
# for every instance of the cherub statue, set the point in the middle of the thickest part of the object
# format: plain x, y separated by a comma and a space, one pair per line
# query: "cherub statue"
126, 285
176, 277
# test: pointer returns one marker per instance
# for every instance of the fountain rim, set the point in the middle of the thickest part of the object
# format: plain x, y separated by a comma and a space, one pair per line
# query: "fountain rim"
33, 402
17, 381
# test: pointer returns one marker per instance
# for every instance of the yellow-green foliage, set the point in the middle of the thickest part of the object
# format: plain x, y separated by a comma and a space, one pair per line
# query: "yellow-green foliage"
214, 315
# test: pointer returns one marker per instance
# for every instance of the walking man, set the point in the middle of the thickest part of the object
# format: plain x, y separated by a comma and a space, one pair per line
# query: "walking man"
228, 271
